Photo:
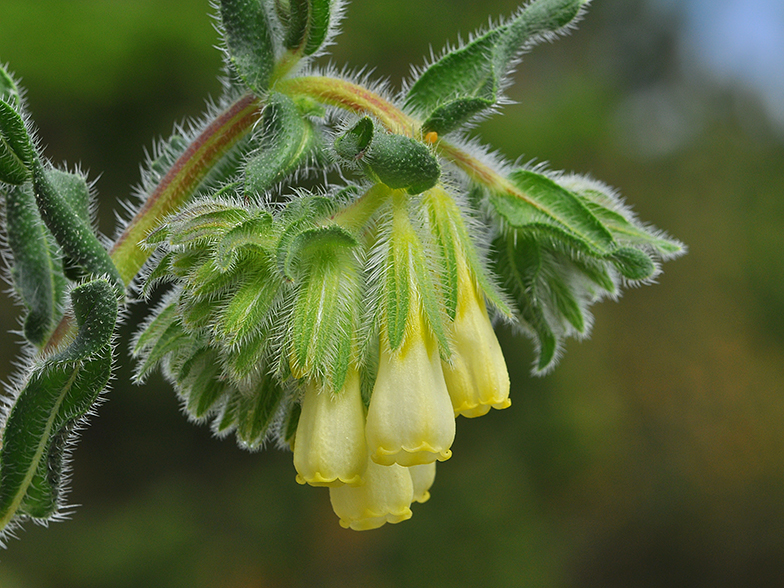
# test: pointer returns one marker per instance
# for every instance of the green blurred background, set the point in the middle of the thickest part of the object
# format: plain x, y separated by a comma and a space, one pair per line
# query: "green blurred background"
652, 456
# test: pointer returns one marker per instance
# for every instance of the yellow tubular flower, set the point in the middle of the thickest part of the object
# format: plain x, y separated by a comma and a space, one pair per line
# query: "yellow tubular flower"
410, 419
329, 447
477, 378
422, 477
385, 497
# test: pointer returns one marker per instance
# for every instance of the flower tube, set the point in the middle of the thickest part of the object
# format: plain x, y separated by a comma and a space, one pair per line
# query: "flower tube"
476, 377
329, 447
410, 418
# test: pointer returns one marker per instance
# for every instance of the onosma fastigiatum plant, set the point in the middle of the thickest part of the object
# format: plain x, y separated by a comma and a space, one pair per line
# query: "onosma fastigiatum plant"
350, 322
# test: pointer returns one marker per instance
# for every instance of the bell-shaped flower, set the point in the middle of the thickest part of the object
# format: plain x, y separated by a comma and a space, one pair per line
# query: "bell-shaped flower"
410, 418
476, 375
385, 497
422, 476
329, 447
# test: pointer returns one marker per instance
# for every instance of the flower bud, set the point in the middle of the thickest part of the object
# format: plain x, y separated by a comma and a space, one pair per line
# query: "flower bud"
410, 419
385, 497
329, 448
476, 378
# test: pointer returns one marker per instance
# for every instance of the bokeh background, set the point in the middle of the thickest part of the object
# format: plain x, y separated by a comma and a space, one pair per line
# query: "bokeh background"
652, 456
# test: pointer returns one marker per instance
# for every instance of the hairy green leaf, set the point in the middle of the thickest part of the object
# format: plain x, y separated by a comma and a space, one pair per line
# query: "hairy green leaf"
37, 269
58, 393
248, 37
289, 139
467, 81
17, 153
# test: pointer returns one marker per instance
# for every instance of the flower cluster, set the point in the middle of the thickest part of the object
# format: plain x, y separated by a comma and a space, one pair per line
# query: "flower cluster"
304, 307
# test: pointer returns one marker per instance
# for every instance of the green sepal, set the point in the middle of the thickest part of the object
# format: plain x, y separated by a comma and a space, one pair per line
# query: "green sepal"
72, 233
200, 383
324, 242
307, 25
247, 359
251, 413
248, 309
400, 162
402, 287
328, 295
160, 343
288, 140
17, 152
467, 81
256, 234
204, 221
58, 393
299, 215
539, 204
37, 269
290, 423
9, 91
249, 41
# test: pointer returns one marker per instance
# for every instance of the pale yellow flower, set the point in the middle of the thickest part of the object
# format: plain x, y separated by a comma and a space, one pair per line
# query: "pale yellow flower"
477, 378
329, 447
385, 497
422, 477
410, 418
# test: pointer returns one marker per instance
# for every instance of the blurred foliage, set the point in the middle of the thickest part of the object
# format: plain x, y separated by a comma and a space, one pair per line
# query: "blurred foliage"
652, 456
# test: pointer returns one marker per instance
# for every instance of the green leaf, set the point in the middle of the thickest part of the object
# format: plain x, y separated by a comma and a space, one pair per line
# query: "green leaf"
535, 202
74, 189
37, 269
72, 233
289, 139
17, 153
249, 42
467, 81
9, 91
307, 24
58, 394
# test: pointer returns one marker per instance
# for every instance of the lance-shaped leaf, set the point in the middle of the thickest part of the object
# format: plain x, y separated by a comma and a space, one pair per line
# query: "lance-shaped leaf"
37, 268
72, 233
248, 36
324, 316
626, 228
468, 81
307, 24
17, 152
200, 382
57, 395
289, 139
400, 162
536, 203
203, 221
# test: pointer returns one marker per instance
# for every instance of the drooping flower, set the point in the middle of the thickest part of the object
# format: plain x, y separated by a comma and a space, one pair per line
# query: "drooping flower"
476, 376
329, 447
422, 477
385, 497
410, 418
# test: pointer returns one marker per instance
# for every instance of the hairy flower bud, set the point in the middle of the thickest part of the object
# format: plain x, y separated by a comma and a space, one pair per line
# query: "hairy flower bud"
329, 448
